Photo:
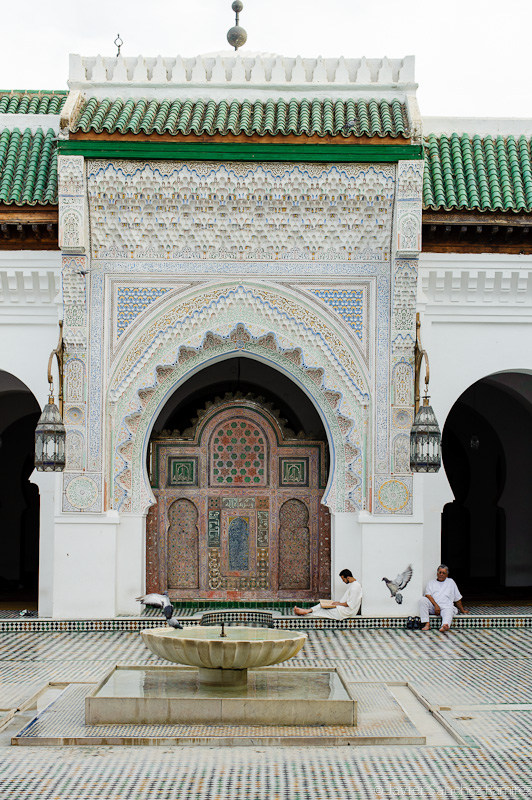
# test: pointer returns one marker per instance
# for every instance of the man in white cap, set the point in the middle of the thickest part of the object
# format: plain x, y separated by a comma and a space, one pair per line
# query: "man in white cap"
441, 598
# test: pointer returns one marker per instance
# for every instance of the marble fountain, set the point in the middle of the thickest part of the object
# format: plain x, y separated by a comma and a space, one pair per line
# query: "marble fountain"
228, 677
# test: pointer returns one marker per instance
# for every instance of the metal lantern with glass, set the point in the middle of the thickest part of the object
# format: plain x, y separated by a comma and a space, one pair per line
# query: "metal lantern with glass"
425, 435
50, 432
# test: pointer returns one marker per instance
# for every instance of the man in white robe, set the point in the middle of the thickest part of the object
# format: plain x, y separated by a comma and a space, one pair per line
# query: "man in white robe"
441, 598
347, 607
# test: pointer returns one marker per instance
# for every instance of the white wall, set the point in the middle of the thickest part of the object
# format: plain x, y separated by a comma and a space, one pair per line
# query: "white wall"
30, 307
476, 315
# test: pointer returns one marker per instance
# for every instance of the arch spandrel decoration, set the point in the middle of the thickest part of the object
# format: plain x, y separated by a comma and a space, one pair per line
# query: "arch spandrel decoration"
252, 321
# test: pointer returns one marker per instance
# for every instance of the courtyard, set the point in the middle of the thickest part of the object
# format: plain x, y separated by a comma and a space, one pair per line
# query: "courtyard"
467, 694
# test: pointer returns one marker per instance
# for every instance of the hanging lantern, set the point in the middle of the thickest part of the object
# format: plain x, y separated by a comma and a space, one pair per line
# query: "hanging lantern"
425, 441
425, 435
50, 433
50, 436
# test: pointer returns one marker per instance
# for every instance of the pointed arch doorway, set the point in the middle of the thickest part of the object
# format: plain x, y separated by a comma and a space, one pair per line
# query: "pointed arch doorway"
486, 530
238, 512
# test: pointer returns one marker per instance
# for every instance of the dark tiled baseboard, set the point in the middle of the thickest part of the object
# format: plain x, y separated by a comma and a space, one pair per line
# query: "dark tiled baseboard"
285, 622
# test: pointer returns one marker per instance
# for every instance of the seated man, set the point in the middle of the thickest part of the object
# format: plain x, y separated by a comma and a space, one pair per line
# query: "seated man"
348, 606
441, 598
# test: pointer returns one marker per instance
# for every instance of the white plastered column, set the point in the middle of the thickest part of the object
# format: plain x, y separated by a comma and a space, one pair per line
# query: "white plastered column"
49, 487
130, 562
84, 565
346, 549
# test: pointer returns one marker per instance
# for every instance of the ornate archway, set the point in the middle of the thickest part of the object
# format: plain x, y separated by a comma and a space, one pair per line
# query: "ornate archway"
254, 322
238, 512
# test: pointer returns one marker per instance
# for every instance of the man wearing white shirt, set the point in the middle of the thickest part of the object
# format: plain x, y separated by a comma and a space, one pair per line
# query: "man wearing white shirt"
441, 598
347, 607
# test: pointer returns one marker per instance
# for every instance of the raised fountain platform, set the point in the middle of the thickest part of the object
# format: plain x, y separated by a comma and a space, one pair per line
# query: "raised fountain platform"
176, 695
227, 688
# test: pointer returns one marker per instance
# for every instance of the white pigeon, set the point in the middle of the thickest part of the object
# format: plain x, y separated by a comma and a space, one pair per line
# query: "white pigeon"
158, 601
399, 583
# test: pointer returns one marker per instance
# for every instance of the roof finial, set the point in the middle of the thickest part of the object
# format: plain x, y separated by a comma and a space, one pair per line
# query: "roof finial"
237, 36
118, 41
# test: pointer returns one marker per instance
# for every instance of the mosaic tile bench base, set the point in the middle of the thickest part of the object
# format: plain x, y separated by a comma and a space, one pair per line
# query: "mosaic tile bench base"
381, 721
283, 622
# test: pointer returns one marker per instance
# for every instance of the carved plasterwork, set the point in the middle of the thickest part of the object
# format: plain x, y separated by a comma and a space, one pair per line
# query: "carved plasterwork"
248, 320
238, 211
73, 220
409, 201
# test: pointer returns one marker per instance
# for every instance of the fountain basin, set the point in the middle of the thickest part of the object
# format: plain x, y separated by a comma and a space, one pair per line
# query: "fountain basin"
223, 661
298, 696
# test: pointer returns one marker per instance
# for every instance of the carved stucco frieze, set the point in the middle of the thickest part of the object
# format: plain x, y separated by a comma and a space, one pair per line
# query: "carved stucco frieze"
73, 216
239, 211
409, 207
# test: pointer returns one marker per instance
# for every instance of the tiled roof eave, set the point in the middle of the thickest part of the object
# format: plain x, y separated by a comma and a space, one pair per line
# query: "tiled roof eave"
343, 119
264, 137
478, 209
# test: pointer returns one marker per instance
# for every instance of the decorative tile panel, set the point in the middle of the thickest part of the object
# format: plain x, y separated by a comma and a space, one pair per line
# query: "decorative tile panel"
244, 538
293, 472
238, 455
349, 303
183, 471
132, 301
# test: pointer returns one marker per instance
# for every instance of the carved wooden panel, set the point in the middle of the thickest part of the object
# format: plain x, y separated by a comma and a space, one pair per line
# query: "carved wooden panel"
239, 509
183, 545
294, 546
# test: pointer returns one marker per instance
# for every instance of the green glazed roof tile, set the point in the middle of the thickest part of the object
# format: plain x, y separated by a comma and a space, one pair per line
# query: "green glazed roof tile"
28, 167
30, 102
474, 173
298, 117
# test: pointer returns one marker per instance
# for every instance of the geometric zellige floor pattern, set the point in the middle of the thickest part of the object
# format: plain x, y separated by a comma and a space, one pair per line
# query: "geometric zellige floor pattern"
481, 676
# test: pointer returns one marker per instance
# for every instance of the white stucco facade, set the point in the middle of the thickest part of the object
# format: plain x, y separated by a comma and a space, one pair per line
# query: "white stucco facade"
152, 295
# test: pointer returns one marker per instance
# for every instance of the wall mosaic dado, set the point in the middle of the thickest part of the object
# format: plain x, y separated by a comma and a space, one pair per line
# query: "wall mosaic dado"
239, 211
316, 357
249, 535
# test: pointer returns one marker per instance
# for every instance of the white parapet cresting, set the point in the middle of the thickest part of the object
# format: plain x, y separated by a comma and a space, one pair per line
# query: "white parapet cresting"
257, 74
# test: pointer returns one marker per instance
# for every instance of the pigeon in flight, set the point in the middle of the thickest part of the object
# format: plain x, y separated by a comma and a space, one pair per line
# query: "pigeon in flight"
158, 601
399, 583
173, 623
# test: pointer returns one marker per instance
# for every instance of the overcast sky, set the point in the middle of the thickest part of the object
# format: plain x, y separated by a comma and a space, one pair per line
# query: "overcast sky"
472, 56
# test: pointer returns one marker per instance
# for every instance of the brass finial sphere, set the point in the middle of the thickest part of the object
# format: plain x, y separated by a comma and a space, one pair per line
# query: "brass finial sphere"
237, 36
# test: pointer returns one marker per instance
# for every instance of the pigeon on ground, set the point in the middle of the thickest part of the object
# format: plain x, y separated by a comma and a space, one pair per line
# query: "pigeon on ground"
173, 623
399, 583
158, 601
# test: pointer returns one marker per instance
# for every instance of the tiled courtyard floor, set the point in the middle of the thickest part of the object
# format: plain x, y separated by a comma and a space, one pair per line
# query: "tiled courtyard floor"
479, 683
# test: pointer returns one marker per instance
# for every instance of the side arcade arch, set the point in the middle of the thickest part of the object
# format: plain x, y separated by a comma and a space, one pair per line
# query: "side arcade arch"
487, 529
19, 498
245, 321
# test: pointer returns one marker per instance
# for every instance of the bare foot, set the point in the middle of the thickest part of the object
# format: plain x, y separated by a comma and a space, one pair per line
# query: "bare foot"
426, 627
301, 612
444, 628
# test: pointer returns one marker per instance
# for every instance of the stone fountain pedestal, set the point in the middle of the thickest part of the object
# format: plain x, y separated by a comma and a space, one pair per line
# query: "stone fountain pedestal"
233, 683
